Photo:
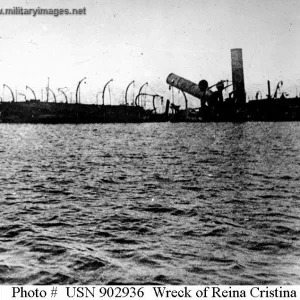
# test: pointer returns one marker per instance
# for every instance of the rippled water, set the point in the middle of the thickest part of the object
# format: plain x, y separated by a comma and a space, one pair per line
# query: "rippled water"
150, 203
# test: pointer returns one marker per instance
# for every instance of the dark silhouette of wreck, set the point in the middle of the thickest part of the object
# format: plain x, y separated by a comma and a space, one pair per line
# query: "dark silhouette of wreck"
212, 105
214, 108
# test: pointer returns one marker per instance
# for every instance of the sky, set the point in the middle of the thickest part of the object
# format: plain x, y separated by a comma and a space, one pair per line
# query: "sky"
145, 41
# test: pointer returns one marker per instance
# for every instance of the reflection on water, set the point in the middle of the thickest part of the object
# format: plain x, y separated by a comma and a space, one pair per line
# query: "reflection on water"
150, 203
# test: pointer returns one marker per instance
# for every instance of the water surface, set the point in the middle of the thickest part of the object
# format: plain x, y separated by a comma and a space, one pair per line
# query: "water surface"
150, 203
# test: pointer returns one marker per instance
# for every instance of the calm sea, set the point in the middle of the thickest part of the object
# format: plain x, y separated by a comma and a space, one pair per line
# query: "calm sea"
150, 203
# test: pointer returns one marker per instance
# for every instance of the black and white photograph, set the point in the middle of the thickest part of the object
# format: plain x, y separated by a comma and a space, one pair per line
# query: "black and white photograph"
149, 143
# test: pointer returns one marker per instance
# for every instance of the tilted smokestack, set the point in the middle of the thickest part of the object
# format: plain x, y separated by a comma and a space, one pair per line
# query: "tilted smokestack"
184, 85
238, 75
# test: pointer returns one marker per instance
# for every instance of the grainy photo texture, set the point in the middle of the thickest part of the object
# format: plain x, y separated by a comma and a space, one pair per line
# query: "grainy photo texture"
149, 142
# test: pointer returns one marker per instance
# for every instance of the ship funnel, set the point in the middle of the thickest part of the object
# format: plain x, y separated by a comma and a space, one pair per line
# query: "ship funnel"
184, 85
238, 75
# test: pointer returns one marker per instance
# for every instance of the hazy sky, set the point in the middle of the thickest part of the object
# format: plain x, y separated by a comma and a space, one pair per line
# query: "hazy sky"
146, 40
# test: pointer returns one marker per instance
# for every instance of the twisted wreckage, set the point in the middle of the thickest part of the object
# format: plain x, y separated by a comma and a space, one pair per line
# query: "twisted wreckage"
234, 109
213, 108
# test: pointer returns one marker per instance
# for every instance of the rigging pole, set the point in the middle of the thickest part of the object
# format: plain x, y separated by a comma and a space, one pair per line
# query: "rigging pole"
60, 90
78, 89
104, 90
139, 93
27, 87
126, 102
12, 94
52, 94
48, 90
